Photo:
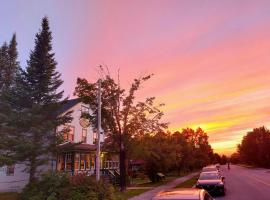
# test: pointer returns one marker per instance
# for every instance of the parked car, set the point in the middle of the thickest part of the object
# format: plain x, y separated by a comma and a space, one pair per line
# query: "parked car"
211, 168
183, 194
218, 166
213, 182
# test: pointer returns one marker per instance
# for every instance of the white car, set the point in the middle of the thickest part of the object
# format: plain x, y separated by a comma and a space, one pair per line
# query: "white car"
183, 194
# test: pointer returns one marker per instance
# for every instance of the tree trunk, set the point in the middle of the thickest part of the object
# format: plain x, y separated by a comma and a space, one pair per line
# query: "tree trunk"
122, 166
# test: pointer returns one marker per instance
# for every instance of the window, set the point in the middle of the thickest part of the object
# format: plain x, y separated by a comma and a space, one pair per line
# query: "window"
63, 157
84, 109
85, 161
84, 135
68, 162
77, 161
60, 163
94, 137
68, 134
88, 161
82, 162
10, 170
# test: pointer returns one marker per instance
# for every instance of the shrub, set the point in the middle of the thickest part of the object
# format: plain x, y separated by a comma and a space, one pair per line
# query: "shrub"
63, 187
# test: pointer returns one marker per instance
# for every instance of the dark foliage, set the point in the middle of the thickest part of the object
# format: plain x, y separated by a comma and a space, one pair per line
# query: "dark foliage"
166, 152
28, 107
63, 187
122, 116
255, 147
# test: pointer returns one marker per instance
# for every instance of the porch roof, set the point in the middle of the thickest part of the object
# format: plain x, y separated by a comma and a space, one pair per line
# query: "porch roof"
79, 147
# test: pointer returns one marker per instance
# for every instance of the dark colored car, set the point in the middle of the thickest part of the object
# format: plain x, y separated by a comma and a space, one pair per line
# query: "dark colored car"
211, 168
212, 182
183, 194
218, 166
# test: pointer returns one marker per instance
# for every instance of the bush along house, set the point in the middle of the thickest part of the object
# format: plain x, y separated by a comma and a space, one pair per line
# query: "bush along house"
77, 154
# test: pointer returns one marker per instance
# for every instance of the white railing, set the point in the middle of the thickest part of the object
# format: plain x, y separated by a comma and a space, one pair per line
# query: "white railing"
109, 164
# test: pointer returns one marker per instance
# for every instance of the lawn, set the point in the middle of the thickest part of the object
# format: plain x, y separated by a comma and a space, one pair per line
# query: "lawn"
140, 183
188, 183
145, 182
9, 196
156, 184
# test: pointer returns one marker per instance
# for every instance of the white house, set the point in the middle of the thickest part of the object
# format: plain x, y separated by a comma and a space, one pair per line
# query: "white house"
76, 154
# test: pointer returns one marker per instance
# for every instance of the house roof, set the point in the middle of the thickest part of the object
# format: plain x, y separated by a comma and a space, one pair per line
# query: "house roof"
69, 104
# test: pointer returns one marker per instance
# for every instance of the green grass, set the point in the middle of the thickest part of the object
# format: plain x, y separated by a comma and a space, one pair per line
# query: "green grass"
188, 183
128, 194
156, 184
141, 183
9, 196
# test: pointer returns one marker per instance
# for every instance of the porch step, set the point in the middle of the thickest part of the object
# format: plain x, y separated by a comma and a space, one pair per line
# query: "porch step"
111, 176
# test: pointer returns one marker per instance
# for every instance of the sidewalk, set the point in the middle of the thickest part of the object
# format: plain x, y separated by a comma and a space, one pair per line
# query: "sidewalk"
151, 193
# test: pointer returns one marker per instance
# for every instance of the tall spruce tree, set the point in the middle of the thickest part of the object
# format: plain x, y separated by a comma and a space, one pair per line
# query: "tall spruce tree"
9, 65
3, 64
13, 64
9, 70
34, 101
43, 82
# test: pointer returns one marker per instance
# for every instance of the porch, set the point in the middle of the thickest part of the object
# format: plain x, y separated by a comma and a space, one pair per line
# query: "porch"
81, 158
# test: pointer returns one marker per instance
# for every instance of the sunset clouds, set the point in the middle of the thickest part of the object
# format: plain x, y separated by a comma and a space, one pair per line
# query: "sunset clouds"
211, 59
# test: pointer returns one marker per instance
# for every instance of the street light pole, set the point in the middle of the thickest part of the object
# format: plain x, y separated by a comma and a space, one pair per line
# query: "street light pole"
98, 132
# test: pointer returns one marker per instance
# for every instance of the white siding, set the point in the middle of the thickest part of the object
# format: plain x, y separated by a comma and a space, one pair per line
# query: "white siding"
20, 178
15, 182
78, 128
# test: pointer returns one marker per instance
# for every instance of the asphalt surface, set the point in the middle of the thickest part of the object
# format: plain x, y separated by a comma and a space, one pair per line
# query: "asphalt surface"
246, 183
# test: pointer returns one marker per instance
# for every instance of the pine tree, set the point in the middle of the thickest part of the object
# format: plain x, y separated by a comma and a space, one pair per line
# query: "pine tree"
3, 64
34, 100
9, 65
43, 82
9, 71
13, 64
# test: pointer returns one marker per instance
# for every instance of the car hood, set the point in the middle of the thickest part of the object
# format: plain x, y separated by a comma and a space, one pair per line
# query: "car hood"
209, 182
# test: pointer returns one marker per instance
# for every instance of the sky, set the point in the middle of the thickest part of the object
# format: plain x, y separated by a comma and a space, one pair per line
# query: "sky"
210, 59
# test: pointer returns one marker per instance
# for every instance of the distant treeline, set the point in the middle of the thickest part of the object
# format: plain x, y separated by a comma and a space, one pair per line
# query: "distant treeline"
254, 148
175, 152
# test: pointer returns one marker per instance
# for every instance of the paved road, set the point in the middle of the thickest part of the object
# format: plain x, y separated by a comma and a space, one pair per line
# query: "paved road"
246, 184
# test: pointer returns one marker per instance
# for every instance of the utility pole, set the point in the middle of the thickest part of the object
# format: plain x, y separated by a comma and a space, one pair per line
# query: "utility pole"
98, 132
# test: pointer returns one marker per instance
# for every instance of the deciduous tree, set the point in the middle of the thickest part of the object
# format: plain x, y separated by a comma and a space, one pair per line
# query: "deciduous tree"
254, 148
122, 116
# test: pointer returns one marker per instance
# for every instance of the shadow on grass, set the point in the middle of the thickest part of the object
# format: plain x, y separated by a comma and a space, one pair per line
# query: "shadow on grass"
188, 183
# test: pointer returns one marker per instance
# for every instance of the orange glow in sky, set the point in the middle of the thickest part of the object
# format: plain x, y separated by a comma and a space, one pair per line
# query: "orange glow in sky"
211, 59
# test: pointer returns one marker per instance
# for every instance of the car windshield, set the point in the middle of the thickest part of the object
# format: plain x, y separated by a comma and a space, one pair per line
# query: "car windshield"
209, 176
207, 169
